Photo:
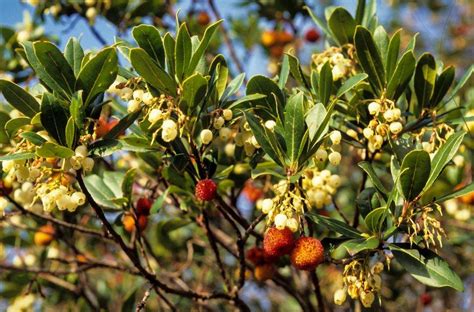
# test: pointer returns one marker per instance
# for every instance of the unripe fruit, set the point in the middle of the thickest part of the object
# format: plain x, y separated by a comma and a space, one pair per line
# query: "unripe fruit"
312, 35
268, 38
206, 190
45, 235
143, 206
277, 243
203, 18
264, 272
307, 254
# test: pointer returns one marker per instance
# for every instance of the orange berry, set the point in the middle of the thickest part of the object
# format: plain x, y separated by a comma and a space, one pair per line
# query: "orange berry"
256, 255
277, 243
45, 235
284, 37
129, 222
277, 51
307, 254
203, 18
264, 272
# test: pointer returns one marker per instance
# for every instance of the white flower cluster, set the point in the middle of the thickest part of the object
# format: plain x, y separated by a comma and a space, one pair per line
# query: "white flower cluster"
80, 159
341, 66
219, 119
61, 197
320, 186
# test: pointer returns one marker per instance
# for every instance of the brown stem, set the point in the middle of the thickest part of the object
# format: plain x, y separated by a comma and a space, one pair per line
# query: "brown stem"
317, 291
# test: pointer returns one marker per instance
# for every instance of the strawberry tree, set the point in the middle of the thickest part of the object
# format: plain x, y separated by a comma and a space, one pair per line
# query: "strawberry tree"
151, 203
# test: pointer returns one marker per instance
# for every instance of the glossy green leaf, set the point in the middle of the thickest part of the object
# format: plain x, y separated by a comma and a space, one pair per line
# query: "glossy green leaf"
427, 267
264, 85
351, 83
74, 54
149, 39
13, 125
444, 154
56, 65
325, 83
296, 71
70, 132
17, 156
314, 119
49, 149
465, 78
127, 183
392, 54
425, 77
401, 76
98, 74
201, 49
356, 245
76, 110
442, 85
367, 167
182, 51
19, 98
294, 126
375, 219
463, 191
123, 124
342, 25
335, 225
369, 58
152, 73
220, 71
169, 44
54, 118
415, 170
194, 90
284, 72
33, 137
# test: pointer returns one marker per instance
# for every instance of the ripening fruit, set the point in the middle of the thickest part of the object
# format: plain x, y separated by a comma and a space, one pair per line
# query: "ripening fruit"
256, 255
129, 222
264, 272
312, 35
307, 254
426, 299
103, 126
277, 51
45, 235
277, 243
268, 38
206, 190
143, 206
284, 37
203, 18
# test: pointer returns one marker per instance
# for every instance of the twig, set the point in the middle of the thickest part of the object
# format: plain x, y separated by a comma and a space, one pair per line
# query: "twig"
317, 290
142, 303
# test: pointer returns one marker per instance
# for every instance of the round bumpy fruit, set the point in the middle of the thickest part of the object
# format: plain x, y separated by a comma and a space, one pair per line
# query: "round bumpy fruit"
256, 255
129, 222
264, 272
45, 235
277, 243
144, 206
206, 190
307, 254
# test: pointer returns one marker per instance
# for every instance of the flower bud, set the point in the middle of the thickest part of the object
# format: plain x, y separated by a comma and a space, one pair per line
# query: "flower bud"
396, 127
206, 136
367, 298
335, 137
169, 130
91, 14
397, 113
292, 224
138, 95
340, 296
155, 115
227, 114
368, 133
334, 158
229, 149
147, 98
267, 205
133, 106
280, 221
218, 123
22, 174
321, 155
270, 124
334, 181
352, 133
81, 151
88, 164
224, 133
374, 108
389, 115
79, 198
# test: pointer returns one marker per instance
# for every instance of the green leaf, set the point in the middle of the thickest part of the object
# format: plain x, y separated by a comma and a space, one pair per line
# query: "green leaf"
152, 73
296, 71
129, 302
203, 44
127, 183
342, 25
465, 78
101, 192
294, 126
321, 24
4, 118
220, 70
169, 44
367, 167
351, 83
233, 86
74, 55
264, 85
19, 98
105, 147
194, 90
49, 149
122, 125
17, 156
415, 170
56, 65
182, 51
268, 146
356, 245
374, 220
444, 154
427, 267
425, 78
314, 120
284, 72
13, 125
76, 109
335, 225
463, 191
40, 71
70, 132
401, 76
325, 83
442, 85
369, 58
382, 41
149, 39
54, 118
392, 54
33, 137
97, 74
246, 99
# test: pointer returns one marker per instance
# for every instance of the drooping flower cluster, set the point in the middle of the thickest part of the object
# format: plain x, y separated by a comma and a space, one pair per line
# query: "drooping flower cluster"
361, 282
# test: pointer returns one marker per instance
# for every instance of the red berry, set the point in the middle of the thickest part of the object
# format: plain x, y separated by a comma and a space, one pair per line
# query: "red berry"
307, 254
312, 35
277, 243
206, 190
256, 255
144, 206
203, 18
426, 299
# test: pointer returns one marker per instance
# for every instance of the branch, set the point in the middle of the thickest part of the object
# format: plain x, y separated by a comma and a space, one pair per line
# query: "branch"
317, 290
